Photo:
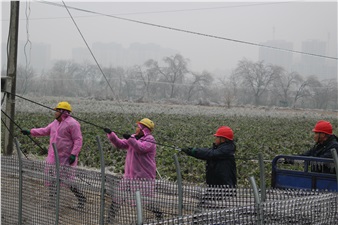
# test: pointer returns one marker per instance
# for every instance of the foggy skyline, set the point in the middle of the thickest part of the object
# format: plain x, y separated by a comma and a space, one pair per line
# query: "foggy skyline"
249, 22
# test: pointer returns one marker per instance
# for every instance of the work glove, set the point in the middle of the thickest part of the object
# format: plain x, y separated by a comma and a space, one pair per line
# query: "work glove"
107, 130
187, 151
285, 161
72, 159
289, 161
126, 136
25, 132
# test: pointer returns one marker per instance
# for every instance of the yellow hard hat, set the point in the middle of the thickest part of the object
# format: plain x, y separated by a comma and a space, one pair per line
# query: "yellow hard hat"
148, 123
64, 105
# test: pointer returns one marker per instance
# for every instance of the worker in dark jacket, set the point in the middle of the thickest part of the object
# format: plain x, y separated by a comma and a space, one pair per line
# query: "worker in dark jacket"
220, 159
325, 140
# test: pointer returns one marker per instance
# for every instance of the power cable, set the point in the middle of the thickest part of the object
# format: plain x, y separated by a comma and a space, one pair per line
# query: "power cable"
98, 65
37, 143
160, 144
90, 123
161, 11
11, 134
197, 33
117, 98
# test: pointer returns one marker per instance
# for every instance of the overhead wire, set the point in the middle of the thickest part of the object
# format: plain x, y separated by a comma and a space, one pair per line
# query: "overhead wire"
84, 121
158, 11
102, 72
196, 33
97, 63
100, 69
37, 143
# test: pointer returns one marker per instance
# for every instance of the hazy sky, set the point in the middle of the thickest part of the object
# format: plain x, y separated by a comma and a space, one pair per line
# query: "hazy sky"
250, 21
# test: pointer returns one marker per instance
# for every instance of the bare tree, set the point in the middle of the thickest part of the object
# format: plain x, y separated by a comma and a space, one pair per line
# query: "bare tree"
148, 74
257, 77
322, 93
199, 84
230, 87
115, 77
24, 78
87, 79
284, 84
62, 75
174, 71
302, 89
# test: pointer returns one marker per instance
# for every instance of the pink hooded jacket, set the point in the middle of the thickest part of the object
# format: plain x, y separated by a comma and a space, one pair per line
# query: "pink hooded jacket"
66, 135
140, 159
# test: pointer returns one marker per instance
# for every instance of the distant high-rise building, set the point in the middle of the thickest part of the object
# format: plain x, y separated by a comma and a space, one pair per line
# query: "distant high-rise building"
81, 55
35, 55
313, 65
109, 54
275, 56
113, 54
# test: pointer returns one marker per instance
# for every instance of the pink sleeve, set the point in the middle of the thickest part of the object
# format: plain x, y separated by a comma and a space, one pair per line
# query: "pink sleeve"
38, 132
122, 144
77, 138
144, 145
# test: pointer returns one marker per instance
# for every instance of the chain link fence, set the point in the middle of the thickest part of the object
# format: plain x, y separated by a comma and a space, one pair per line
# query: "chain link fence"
78, 200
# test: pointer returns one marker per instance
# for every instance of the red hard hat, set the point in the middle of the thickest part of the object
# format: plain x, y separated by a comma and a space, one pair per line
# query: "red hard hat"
323, 126
225, 132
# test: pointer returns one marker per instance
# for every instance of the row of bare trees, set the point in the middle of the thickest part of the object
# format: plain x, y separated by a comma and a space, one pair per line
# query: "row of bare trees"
250, 82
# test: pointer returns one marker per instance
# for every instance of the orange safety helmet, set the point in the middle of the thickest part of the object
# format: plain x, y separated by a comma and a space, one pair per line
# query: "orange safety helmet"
226, 132
323, 126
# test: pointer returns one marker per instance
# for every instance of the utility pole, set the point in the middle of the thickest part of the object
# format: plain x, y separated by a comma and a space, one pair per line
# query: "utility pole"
11, 74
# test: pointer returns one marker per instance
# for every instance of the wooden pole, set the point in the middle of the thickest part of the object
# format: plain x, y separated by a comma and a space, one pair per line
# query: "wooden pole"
11, 74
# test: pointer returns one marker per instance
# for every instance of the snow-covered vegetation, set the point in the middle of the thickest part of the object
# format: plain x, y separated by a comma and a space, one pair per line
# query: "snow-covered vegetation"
105, 106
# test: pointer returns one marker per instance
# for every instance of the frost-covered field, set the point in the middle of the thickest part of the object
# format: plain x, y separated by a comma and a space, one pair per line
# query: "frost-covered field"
104, 106
270, 131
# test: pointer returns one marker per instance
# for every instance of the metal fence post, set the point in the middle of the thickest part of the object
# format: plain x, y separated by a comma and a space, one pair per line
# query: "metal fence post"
57, 170
179, 185
257, 201
20, 180
335, 159
139, 208
103, 180
262, 176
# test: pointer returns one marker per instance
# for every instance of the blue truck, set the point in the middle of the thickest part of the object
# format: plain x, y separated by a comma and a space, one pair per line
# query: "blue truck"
297, 172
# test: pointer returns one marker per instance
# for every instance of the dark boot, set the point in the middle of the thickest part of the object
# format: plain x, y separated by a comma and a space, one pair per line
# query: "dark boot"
158, 214
113, 211
81, 198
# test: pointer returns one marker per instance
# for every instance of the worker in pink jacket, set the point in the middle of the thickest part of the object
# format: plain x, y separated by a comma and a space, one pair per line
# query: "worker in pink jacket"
141, 150
65, 132
140, 164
